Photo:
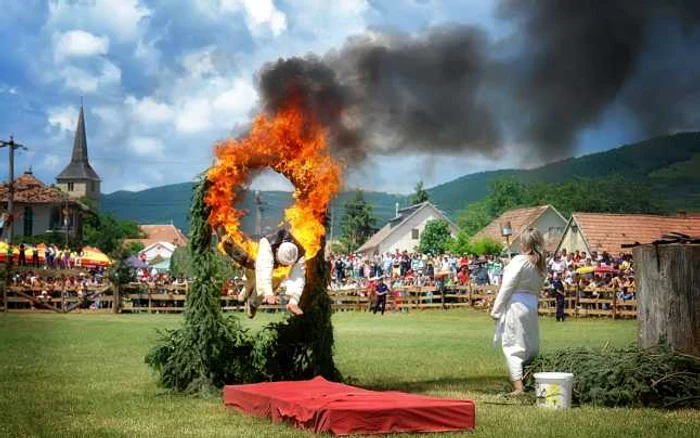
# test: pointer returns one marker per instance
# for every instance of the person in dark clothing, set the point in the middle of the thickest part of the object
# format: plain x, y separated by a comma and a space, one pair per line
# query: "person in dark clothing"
35, 256
22, 255
560, 295
380, 291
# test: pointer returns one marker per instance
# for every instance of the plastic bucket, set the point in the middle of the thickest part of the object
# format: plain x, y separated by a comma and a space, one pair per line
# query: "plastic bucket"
554, 390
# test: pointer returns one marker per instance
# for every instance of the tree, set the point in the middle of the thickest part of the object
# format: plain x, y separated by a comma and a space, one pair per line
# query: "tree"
436, 237
420, 195
486, 246
104, 231
133, 248
461, 244
473, 218
357, 223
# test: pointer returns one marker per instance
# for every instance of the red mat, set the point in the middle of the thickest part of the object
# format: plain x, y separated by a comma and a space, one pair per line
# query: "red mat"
323, 406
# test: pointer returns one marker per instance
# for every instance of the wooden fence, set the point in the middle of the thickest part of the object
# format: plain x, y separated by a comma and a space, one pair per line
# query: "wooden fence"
137, 298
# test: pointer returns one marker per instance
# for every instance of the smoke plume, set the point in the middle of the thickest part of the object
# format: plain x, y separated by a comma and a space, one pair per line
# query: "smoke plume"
451, 89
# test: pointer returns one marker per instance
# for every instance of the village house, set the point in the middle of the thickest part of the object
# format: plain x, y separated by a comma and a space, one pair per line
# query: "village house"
545, 218
160, 241
403, 231
40, 209
605, 232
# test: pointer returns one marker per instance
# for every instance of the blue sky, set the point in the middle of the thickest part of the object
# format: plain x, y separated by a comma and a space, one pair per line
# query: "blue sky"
162, 80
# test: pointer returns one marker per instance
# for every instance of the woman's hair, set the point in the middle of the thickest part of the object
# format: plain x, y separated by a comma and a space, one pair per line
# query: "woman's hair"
531, 243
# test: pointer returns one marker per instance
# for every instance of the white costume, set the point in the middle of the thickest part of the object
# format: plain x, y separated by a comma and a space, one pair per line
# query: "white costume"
516, 310
259, 283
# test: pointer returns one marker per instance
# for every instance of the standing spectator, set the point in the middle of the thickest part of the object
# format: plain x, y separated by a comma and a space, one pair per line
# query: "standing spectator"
22, 255
515, 307
559, 294
35, 256
380, 292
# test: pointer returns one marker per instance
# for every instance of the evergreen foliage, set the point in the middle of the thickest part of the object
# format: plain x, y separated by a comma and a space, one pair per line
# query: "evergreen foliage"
626, 377
357, 223
436, 237
420, 195
211, 349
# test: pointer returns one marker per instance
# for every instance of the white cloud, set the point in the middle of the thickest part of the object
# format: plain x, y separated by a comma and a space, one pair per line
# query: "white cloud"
146, 146
78, 43
193, 116
262, 16
84, 81
199, 63
120, 18
65, 118
149, 111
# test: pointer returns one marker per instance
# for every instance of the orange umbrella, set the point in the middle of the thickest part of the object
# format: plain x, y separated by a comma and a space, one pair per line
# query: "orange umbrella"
94, 257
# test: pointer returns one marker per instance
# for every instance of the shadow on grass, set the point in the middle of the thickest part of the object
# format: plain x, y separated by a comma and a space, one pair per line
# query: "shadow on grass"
488, 385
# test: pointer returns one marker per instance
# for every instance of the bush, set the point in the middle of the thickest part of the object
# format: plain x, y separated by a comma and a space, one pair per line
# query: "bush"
626, 377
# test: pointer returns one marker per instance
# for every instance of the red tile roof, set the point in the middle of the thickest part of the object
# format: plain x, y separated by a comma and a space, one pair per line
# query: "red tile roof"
608, 232
30, 190
161, 233
520, 219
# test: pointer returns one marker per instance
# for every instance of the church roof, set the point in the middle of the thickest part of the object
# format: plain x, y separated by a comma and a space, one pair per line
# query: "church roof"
79, 166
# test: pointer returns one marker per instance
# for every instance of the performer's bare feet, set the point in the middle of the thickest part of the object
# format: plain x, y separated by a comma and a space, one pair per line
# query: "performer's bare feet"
271, 299
293, 308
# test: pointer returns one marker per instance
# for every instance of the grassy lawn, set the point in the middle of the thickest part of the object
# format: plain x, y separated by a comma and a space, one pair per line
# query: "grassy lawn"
83, 375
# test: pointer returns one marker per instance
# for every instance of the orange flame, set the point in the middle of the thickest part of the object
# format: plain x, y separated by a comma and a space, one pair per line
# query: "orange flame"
290, 143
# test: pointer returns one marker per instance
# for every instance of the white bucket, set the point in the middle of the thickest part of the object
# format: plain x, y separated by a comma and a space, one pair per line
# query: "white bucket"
554, 390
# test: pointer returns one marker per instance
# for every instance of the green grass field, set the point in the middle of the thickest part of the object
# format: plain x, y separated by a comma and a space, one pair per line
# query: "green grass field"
84, 375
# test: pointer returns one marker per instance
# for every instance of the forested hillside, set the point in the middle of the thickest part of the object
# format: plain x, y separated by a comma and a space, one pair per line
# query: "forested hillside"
668, 166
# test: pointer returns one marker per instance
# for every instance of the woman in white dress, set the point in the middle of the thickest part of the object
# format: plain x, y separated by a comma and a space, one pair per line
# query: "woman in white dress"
515, 307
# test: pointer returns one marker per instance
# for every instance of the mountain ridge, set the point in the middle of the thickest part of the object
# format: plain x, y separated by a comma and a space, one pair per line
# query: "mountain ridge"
667, 163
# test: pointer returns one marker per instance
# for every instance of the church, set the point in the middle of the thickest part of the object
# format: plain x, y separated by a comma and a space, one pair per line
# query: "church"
40, 209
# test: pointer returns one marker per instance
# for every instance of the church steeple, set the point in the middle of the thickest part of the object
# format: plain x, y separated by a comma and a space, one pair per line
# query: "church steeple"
79, 178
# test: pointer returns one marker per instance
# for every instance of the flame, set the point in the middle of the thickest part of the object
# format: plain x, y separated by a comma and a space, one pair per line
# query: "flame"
291, 143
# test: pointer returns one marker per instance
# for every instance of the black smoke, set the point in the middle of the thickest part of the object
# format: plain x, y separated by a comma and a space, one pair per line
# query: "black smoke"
452, 89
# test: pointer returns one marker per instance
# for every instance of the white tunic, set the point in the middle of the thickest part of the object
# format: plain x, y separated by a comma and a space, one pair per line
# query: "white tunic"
516, 309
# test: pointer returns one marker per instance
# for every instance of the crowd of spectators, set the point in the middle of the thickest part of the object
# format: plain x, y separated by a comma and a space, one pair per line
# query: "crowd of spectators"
80, 283
54, 256
591, 274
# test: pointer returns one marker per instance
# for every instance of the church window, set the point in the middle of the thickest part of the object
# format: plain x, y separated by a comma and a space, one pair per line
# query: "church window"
71, 186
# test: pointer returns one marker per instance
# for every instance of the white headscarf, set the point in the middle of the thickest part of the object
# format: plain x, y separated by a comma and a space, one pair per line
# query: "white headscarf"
287, 253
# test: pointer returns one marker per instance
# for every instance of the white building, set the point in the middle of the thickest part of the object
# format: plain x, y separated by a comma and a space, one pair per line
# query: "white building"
404, 230
544, 217
160, 250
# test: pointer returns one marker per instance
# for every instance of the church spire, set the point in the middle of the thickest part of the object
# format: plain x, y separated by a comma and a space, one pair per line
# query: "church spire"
80, 153
79, 167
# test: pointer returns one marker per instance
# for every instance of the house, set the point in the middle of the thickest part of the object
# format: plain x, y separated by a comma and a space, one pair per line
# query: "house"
545, 218
404, 230
40, 209
604, 232
79, 179
160, 250
159, 240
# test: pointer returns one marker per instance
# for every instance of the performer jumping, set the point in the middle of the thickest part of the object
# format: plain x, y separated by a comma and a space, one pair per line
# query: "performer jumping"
279, 249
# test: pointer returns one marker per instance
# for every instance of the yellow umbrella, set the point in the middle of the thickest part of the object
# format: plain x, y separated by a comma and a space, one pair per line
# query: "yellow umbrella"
585, 269
3, 251
94, 257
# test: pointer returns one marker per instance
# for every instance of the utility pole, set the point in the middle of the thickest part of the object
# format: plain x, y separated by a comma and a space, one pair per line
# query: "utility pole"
11, 145
258, 213
332, 219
